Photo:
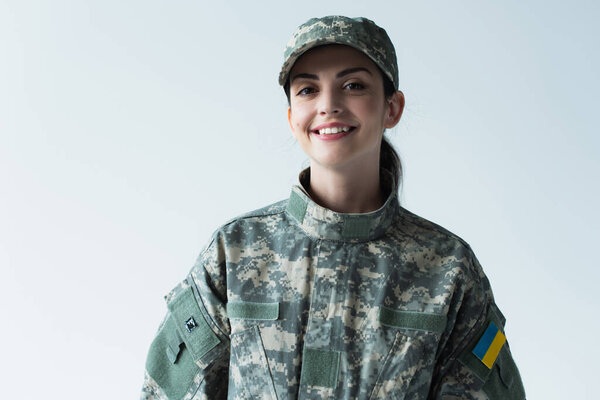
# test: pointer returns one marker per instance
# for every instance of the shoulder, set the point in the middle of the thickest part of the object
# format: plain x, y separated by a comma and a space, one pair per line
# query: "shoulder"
422, 234
258, 214
261, 221
425, 228
248, 225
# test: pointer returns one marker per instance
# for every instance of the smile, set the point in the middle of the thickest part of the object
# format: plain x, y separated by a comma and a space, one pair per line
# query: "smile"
332, 128
329, 131
335, 133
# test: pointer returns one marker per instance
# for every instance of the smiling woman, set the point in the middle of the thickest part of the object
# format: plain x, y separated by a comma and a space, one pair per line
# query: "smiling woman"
337, 292
336, 87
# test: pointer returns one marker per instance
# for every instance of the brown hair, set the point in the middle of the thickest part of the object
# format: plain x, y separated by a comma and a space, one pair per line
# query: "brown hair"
388, 157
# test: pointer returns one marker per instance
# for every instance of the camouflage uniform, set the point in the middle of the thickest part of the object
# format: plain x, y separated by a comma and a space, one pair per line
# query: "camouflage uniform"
296, 301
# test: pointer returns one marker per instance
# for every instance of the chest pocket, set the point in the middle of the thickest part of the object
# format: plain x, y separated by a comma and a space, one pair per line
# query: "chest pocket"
250, 373
408, 365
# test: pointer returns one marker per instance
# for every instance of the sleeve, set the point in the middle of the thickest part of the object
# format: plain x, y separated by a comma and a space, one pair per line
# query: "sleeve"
189, 356
476, 362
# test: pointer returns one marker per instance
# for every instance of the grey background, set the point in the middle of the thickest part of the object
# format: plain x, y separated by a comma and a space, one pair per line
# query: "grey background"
129, 131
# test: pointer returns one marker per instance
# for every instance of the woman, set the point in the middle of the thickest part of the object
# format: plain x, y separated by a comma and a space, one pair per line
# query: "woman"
337, 292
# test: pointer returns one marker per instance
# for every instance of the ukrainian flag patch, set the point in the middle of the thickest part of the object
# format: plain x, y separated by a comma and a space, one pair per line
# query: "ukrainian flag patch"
489, 345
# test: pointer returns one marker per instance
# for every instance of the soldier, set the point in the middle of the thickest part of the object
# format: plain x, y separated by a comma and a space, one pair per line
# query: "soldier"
337, 292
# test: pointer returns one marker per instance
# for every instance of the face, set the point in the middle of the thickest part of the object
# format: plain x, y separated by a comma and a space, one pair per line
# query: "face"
339, 88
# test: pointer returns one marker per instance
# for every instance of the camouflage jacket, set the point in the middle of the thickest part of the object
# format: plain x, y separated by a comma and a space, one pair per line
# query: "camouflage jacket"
295, 301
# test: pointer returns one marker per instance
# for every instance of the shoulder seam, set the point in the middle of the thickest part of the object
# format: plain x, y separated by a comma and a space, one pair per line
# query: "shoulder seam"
413, 218
252, 214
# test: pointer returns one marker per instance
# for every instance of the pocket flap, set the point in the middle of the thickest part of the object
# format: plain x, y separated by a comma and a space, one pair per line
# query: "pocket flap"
173, 342
251, 310
191, 325
412, 320
504, 381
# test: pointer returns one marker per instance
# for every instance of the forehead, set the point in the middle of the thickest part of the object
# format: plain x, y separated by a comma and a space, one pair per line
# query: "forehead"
331, 56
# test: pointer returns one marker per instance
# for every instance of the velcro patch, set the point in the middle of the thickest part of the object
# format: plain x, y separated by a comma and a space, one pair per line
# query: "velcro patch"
251, 310
423, 321
320, 367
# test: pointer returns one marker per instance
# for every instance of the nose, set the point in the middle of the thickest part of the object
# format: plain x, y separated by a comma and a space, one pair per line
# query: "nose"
329, 102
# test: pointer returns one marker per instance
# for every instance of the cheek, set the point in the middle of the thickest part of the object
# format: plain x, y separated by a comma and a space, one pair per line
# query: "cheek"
373, 111
300, 118
373, 107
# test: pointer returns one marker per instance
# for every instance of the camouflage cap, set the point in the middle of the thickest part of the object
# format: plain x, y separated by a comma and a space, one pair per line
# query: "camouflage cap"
360, 33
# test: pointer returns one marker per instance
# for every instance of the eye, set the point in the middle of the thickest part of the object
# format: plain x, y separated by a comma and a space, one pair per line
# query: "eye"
305, 91
354, 86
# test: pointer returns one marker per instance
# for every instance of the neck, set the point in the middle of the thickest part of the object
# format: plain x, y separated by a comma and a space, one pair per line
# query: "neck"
354, 190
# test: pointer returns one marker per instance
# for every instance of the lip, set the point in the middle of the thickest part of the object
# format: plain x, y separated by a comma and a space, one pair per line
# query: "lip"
332, 136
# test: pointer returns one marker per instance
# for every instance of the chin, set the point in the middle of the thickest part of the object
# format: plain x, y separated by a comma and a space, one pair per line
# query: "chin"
331, 162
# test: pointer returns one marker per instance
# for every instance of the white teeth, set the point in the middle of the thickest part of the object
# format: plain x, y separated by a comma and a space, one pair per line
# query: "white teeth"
328, 131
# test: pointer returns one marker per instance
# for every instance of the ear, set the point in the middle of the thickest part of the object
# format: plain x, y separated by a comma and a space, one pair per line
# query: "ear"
290, 119
395, 108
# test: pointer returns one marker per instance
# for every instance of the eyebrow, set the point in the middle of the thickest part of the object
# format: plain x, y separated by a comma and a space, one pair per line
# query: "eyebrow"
339, 74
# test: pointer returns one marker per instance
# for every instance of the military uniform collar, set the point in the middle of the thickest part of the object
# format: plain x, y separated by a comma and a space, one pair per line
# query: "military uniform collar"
323, 223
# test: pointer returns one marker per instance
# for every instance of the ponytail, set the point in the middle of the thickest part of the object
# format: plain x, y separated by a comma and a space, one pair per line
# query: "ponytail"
390, 161
388, 157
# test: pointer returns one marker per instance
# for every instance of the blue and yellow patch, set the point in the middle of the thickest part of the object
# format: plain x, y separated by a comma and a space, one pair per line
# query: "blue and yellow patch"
489, 345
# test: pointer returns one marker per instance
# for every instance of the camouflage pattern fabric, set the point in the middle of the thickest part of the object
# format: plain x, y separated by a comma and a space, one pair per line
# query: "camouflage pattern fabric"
360, 33
295, 301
